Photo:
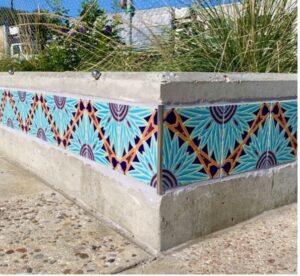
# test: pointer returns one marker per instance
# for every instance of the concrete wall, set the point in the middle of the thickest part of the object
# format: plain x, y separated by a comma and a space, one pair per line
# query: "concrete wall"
146, 25
163, 87
184, 212
199, 210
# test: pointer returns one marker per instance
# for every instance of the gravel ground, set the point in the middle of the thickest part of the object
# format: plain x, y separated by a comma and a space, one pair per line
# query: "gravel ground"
43, 232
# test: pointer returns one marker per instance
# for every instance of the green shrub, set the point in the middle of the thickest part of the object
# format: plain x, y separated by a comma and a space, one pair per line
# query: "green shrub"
7, 64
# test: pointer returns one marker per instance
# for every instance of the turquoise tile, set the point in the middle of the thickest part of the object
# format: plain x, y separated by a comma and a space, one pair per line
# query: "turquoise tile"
144, 166
290, 112
23, 101
192, 146
283, 133
62, 110
86, 142
122, 127
143, 152
40, 127
244, 137
9, 117
180, 164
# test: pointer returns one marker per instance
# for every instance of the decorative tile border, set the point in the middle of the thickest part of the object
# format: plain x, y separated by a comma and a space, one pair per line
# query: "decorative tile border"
207, 142
199, 142
118, 136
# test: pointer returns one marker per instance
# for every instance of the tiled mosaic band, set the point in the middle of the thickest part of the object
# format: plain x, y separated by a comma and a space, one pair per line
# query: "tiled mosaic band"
199, 143
113, 135
202, 143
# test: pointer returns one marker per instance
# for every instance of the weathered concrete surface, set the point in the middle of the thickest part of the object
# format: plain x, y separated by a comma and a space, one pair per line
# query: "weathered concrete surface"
195, 88
13, 183
111, 86
154, 88
202, 209
266, 244
42, 232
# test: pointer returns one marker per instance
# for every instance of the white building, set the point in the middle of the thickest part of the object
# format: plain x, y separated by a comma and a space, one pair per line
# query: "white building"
148, 25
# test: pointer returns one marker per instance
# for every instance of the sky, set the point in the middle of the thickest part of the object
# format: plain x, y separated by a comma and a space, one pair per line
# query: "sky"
73, 6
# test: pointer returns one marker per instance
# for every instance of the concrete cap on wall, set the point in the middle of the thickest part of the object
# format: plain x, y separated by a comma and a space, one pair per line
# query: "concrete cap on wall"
159, 87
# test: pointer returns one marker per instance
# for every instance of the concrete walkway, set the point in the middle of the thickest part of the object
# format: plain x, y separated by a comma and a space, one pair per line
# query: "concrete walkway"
43, 232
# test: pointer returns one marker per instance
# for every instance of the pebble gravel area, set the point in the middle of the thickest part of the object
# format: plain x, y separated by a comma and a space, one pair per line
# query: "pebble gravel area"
266, 244
43, 232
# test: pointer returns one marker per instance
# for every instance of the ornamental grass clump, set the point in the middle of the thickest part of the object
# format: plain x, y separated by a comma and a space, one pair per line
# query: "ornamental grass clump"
247, 36
250, 36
